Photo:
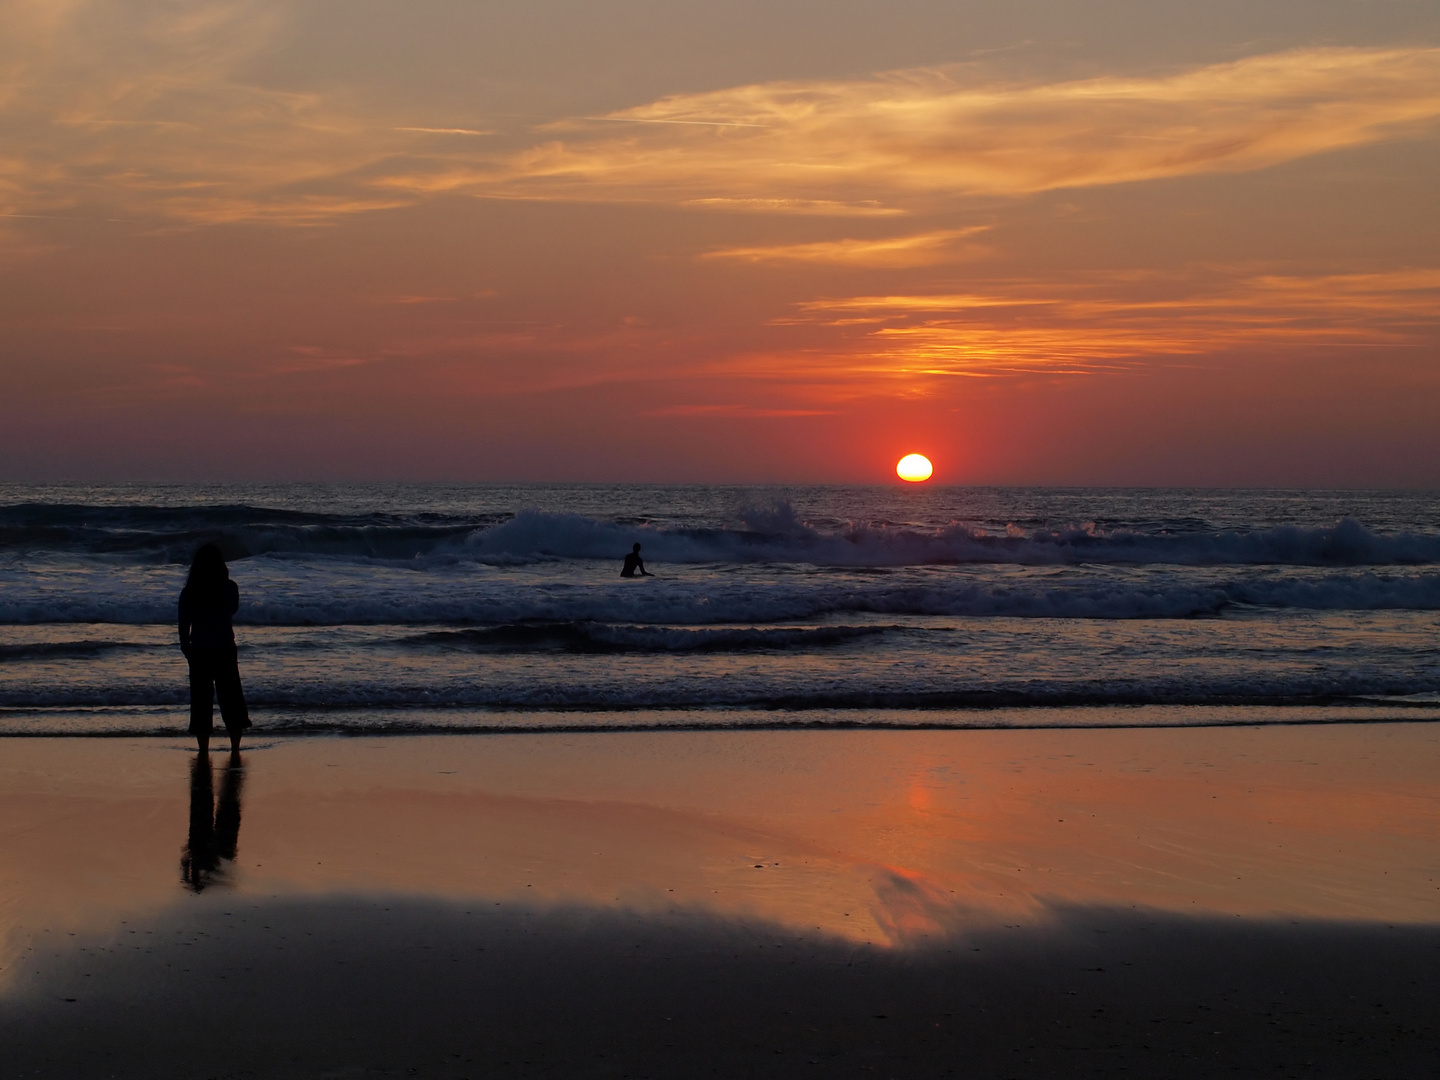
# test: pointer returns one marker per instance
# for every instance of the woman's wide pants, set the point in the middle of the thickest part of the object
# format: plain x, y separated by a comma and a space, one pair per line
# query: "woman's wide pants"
214, 674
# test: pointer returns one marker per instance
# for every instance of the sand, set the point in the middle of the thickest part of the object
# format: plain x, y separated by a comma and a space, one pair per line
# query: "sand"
1168, 903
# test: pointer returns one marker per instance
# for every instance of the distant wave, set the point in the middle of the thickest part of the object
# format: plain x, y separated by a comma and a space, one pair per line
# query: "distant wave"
171, 534
765, 535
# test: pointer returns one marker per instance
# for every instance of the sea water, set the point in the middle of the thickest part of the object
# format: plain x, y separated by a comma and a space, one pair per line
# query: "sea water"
368, 608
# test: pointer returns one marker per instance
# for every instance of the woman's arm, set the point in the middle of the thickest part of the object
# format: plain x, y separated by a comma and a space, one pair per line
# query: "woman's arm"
234, 597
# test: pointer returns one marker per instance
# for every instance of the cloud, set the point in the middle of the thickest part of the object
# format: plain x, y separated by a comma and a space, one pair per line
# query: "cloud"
924, 134
148, 108
891, 252
153, 110
802, 207
1110, 322
734, 411
833, 350
445, 131
308, 359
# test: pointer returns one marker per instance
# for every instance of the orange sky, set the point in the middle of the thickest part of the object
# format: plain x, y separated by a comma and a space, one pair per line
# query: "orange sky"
1117, 242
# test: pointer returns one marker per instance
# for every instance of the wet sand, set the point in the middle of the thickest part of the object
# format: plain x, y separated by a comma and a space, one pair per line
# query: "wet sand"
1039, 903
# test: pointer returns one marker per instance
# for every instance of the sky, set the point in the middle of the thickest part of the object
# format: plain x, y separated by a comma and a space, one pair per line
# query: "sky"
1041, 241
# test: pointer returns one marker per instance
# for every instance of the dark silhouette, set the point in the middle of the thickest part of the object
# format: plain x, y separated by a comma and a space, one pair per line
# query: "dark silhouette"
634, 564
214, 828
207, 639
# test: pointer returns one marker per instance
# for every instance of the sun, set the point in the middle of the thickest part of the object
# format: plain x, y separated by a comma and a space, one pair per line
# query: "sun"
914, 467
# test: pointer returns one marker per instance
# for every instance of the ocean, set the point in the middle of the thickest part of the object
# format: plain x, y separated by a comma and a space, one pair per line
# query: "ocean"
371, 609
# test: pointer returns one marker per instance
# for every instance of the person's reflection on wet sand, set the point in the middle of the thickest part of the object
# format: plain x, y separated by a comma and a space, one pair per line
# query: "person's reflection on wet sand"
214, 828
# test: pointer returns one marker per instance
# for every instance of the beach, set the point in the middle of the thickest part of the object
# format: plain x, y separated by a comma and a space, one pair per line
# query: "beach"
1201, 901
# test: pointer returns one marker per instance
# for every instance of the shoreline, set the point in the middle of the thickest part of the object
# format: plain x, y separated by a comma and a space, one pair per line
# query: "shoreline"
420, 720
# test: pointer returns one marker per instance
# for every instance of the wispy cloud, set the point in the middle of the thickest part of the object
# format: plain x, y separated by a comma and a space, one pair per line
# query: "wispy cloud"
801, 207
928, 133
154, 110
149, 108
623, 119
309, 359
890, 252
833, 351
1101, 324
737, 411
445, 131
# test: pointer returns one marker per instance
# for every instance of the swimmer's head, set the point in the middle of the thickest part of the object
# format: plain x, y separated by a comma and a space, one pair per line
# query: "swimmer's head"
635, 548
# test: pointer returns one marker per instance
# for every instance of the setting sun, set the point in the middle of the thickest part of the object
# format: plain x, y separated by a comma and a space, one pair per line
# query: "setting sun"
914, 467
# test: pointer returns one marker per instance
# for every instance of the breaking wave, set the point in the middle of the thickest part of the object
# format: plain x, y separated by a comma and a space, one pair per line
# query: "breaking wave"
778, 536
766, 535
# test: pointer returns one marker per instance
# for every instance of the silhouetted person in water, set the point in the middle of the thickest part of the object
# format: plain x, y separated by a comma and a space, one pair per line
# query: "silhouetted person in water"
634, 564
214, 828
208, 642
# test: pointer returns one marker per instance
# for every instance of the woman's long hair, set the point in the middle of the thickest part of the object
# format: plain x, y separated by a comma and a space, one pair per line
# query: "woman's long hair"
208, 575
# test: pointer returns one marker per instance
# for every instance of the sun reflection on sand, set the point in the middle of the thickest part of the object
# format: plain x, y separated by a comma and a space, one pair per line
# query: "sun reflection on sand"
893, 838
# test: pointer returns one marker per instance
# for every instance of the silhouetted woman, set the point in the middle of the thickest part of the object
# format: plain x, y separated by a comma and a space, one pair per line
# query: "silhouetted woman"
207, 639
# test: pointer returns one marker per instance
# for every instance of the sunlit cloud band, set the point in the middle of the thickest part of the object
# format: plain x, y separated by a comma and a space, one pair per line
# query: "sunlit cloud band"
153, 112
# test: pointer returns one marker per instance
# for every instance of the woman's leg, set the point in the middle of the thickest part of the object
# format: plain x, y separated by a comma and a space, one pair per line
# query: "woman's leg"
232, 698
202, 701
